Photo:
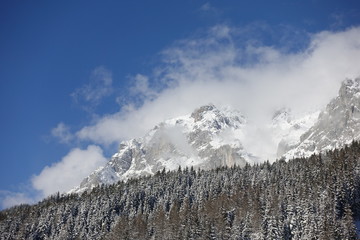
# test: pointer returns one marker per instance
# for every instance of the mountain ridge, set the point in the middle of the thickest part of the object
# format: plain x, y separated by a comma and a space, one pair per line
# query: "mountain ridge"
207, 138
213, 136
338, 124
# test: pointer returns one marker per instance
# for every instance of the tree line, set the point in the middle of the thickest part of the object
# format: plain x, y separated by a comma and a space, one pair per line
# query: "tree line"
304, 198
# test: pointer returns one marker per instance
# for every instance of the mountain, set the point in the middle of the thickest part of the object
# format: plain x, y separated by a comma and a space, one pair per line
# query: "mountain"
337, 125
207, 138
212, 137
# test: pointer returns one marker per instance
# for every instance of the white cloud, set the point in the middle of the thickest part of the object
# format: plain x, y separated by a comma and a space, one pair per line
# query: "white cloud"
9, 199
338, 20
59, 177
206, 7
141, 85
141, 90
70, 171
62, 132
210, 9
253, 78
99, 86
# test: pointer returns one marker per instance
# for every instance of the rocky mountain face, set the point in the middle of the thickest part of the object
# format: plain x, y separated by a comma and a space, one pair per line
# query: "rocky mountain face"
211, 137
337, 125
206, 139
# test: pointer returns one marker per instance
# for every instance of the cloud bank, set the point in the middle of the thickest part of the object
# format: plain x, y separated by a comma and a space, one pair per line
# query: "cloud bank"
252, 77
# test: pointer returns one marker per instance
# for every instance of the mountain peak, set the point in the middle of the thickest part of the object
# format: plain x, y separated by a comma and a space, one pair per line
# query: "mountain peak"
350, 88
282, 114
351, 83
214, 119
198, 114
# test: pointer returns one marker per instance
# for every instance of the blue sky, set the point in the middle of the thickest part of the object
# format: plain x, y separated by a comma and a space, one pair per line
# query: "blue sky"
77, 77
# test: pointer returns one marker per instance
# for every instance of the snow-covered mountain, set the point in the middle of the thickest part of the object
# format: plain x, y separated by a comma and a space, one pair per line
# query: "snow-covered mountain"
337, 125
206, 139
220, 136
287, 129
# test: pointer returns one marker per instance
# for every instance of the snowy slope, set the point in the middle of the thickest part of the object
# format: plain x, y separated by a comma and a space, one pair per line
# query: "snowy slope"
287, 130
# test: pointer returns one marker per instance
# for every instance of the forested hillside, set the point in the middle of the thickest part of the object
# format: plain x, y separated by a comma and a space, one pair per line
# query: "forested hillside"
307, 198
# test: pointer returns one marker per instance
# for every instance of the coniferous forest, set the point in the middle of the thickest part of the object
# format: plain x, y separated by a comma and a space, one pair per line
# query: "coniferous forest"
307, 198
